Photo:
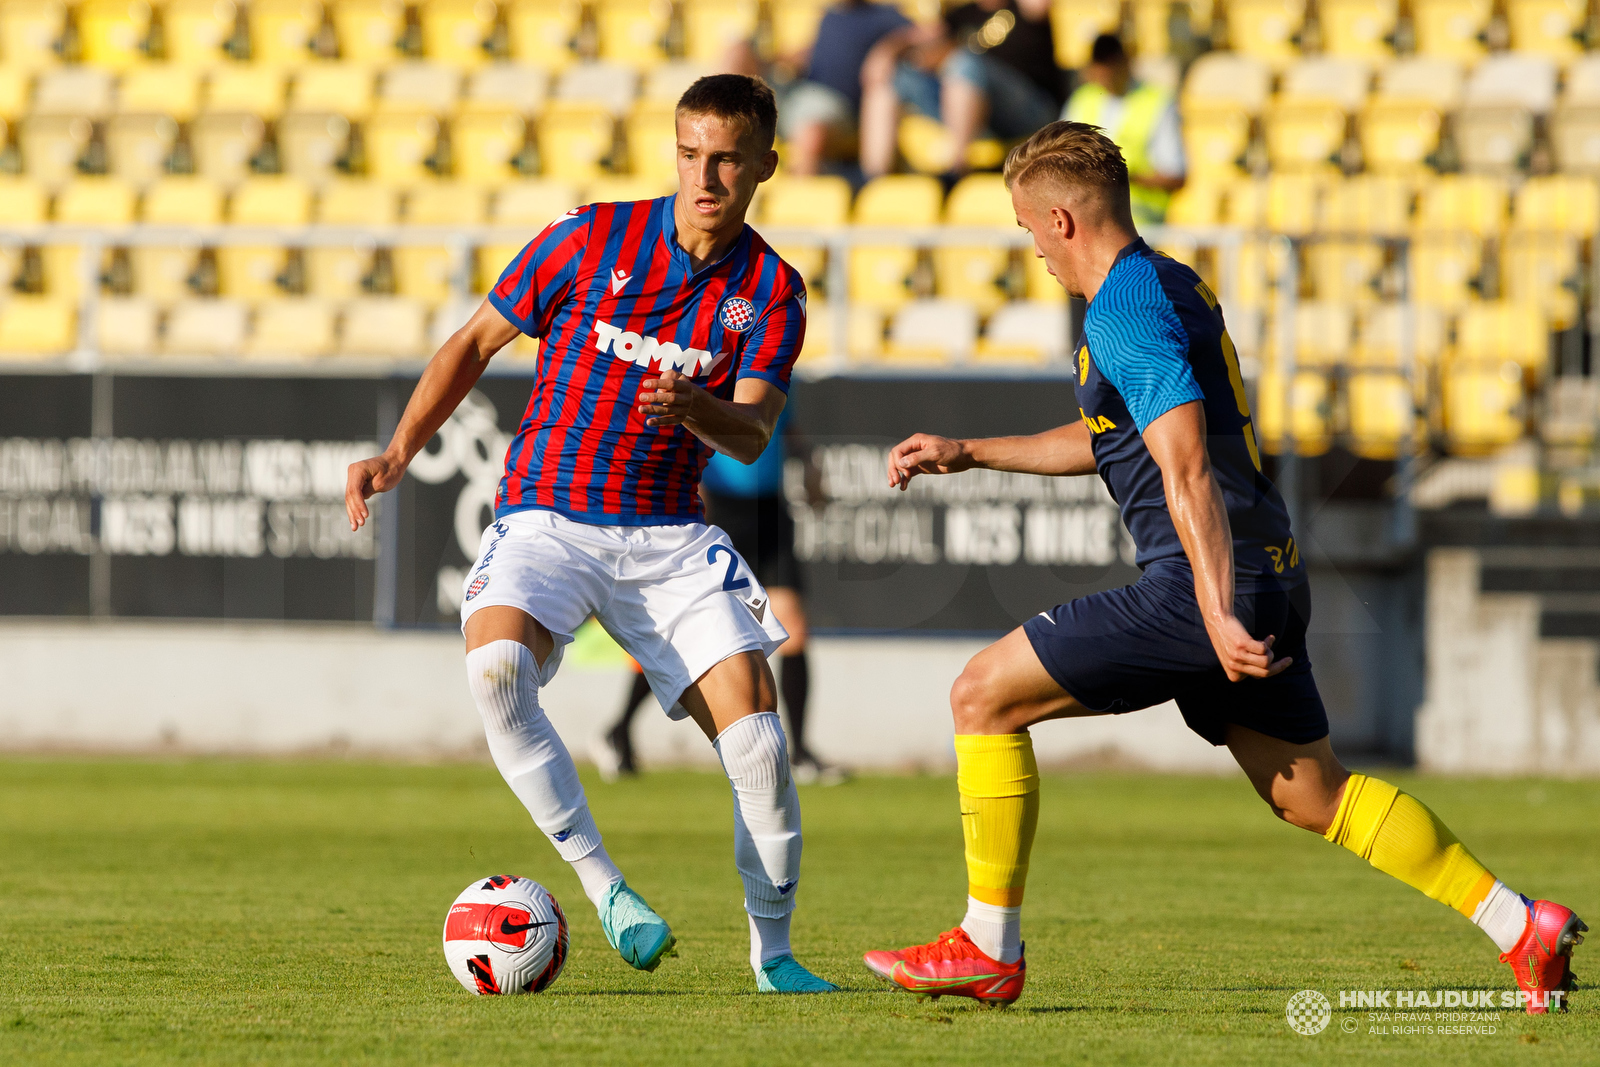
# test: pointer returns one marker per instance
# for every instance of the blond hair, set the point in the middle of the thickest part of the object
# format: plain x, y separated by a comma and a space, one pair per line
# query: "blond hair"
1073, 156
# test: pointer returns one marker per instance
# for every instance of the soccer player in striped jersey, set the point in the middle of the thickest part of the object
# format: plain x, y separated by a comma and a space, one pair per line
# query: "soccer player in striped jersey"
668, 331
1216, 622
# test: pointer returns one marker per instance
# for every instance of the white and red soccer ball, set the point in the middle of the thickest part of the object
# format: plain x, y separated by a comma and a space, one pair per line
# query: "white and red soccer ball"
505, 934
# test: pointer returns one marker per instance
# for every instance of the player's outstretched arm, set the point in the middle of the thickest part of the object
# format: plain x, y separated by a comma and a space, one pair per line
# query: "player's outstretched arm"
449, 377
740, 427
1177, 442
1062, 451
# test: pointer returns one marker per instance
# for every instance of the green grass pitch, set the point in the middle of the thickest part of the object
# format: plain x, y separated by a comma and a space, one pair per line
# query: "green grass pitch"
290, 912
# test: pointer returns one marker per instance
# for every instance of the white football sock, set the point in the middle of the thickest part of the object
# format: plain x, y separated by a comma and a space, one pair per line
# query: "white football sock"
1503, 915
766, 813
769, 939
996, 930
504, 680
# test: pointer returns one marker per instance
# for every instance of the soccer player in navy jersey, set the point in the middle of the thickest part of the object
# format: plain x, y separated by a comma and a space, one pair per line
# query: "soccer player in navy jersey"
668, 330
1216, 622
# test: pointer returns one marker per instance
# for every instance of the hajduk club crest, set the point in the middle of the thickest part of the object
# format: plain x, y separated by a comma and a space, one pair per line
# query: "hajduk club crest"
737, 314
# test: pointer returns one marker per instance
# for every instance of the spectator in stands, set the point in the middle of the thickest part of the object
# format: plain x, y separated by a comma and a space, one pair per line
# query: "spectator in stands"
1141, 118
990, 66
843, 100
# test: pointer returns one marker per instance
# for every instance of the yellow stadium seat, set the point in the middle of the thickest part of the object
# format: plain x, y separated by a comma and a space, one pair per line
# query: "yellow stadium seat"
281, 31
1564, 203
126, 325
925, 143
484, 146
206, 327
96, 202
1398, 137
794, 25
711, 27
16, 85
292, 326
612, 86
1472, 202
1495, 332
310, 145
457, 31
575, 140
399, 146
252, 272
1323, 330
1226, 80
138, 146
1541, 269
1297, 418
1388, 330
163, 89
75, 90
1368, 204
1074, 25
23, 201
223, 144
393, 326
1301, 136
1198, 203
1382, 414
976, 273
162, 273
1337, 81
1483, 407
111, 33
1294, 201
424, 272
532, 204
37, 326
339, 272
338, 88
1575, 139
1433, 80
446, 204
1444, 268
1151, 33
358, 202
1451, 29
1359, 29
624, 188
1344, 271
1547, 27
1214, 140
932, 331
633, 32
652, 137
29, 31
544, 31
1038, 283
194, 32
428, 87
246, 88
1256, 267
369, 30
863, 332
807, 203
62, 267
1494, 140
1266, 29
502, 87
1025, 332
880, 274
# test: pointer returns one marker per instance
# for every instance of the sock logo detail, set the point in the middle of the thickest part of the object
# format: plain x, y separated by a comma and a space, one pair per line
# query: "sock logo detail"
785, 887
562, 835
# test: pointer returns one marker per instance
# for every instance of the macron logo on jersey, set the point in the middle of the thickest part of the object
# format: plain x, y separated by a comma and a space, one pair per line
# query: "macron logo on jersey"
633, 348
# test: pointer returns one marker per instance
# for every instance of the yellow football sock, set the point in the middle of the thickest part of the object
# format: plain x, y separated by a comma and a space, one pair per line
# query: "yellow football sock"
999, 784
1401, 837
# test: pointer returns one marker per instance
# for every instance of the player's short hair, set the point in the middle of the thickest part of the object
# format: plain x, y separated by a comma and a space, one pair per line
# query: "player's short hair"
1073, 156
734, 97
1107, 48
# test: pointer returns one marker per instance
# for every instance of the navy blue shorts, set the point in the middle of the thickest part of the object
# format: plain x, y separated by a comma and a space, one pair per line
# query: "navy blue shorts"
1145, 644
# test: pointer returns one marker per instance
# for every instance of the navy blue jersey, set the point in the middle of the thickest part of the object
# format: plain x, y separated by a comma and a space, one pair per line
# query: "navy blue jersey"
1153, 339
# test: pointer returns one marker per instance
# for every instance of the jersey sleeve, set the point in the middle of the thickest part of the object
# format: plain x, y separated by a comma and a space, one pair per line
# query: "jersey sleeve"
541, 276
776, 338
1143, 350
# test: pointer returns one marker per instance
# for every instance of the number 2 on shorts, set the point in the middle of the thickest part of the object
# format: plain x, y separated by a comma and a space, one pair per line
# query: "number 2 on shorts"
729, 584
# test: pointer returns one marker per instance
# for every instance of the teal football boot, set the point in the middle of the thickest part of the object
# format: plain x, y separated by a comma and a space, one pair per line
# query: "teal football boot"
785, 975
640, 935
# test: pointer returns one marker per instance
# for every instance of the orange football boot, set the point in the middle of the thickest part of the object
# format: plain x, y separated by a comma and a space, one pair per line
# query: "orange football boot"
1542, 960
951, 966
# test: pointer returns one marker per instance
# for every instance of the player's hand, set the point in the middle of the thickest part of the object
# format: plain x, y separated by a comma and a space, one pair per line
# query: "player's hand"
376, 475
669, 399
924, 453
1241, 655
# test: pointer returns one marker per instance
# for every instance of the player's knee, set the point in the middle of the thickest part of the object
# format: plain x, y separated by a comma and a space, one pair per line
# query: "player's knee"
972, 701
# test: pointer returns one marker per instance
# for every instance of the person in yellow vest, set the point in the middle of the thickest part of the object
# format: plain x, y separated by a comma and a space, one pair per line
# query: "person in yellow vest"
1143, 121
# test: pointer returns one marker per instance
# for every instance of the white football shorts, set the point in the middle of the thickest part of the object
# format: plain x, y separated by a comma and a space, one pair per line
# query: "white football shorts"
678, 599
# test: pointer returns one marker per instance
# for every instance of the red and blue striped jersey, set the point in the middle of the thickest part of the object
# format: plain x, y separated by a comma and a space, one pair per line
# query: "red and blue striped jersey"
615, 300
